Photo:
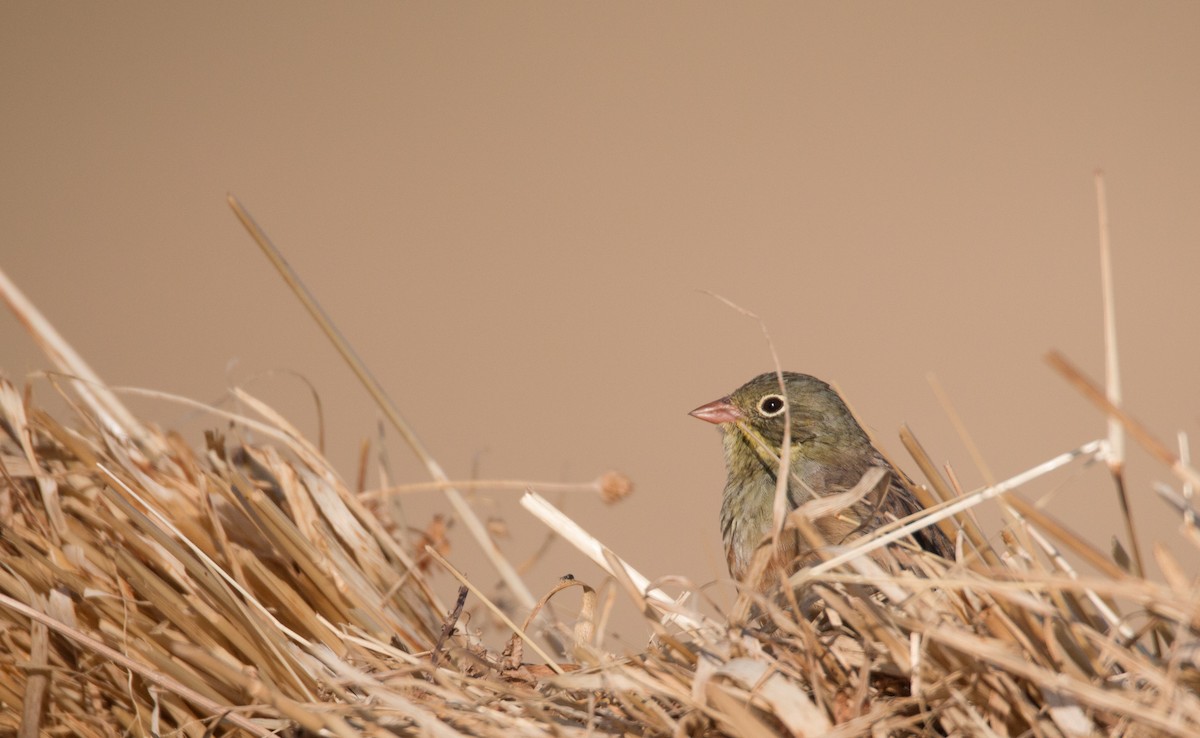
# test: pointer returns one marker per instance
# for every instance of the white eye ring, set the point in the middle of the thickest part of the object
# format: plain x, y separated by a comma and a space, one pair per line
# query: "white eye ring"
772, 405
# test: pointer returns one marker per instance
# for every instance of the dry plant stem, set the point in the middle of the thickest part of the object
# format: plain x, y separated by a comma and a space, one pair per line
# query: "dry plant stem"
1020, 588
587, 544
448, 626
868, 544
47, 487
39, 677
292, 440
312, 458
282, 433
1111, 618
779, 506
636, 594
205, 571
478, 530
1185, 455
585, 627
961, 428
149, 675
116, 417
364, 460
969, 526
495, 609
1112, 364
1092, 695
1081, 547
368, 519
1112, 372
1139, 432
475, 484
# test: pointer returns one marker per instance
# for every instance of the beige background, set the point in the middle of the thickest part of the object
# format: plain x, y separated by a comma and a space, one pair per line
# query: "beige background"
512, 209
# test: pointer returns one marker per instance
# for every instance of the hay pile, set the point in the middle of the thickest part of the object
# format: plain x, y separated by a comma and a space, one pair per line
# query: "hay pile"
150, 588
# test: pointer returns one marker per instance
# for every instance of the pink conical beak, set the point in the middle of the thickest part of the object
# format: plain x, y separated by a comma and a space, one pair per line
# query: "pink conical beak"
718, 411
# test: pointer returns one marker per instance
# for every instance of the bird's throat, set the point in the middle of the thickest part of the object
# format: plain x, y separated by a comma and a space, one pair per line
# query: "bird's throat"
747, 507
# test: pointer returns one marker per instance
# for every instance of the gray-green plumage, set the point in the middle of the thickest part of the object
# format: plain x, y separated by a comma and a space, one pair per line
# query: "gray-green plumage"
830, 453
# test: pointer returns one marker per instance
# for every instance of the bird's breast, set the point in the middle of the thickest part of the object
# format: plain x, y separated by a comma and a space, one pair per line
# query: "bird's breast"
746, 516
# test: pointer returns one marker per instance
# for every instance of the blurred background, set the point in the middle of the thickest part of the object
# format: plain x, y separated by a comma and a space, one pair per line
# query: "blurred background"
513, 211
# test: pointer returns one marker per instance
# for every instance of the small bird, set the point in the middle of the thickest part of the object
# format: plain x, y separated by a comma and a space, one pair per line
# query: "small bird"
829, 453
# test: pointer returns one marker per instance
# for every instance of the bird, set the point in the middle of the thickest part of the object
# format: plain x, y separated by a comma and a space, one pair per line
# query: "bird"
829, 454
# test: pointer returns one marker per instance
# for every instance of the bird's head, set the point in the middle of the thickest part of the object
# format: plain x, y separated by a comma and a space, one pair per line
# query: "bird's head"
761, 409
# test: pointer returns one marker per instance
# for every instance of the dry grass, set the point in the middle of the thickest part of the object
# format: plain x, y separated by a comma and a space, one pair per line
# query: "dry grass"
149, 588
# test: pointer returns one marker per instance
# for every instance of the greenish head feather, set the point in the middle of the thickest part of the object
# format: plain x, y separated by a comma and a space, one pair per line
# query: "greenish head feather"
820, 421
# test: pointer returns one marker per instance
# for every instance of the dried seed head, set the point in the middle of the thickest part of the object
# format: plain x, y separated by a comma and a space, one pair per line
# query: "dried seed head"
614, 486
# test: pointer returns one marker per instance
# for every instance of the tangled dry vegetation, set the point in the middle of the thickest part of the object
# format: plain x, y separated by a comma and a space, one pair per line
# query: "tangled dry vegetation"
150, 588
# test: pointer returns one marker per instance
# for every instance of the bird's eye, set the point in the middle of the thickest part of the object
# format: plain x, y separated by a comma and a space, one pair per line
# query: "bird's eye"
771, 405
